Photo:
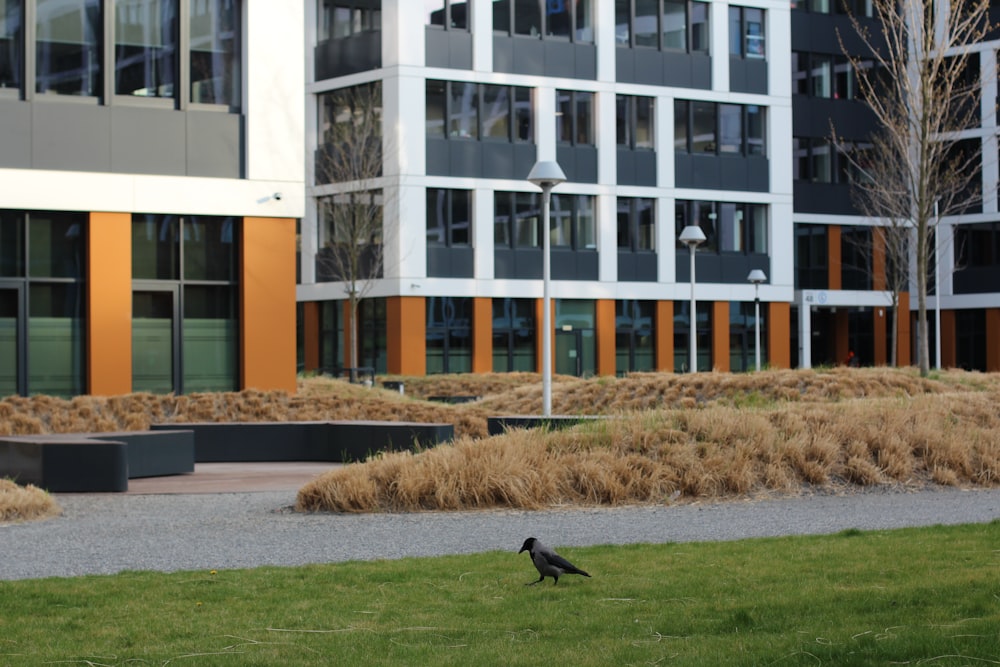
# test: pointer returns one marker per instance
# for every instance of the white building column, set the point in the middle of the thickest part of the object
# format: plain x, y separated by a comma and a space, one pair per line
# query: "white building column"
482, 233
482, 35
718, 21
403, 33
805, 335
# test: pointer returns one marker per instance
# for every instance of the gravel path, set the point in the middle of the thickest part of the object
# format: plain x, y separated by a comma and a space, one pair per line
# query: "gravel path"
108, 533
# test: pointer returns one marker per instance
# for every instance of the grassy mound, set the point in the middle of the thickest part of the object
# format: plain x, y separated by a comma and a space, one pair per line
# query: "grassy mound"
702, 436
25, 503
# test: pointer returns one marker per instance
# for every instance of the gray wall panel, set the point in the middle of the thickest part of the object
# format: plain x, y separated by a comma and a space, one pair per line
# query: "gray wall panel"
66, 135
15, 134
147, 141
214, 144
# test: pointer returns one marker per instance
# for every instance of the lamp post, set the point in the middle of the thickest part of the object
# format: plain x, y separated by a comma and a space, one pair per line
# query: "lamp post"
546, 175
692, 237
756, 277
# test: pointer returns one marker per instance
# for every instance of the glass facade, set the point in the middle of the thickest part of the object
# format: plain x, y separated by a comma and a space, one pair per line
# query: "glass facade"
514, 335
42, 303
185, 326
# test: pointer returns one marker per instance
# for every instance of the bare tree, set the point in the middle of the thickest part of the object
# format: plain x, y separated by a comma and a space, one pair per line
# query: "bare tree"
921, 95
351, 228
884, 253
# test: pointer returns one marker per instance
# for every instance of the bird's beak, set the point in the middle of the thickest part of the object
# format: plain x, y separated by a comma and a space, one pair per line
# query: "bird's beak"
522, 549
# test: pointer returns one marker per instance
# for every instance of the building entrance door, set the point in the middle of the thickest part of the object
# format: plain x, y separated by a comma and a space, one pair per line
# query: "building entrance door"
12, 371
155, 341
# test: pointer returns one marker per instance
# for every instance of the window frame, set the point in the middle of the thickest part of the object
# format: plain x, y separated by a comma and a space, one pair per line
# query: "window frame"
627, 117
571, 108
447, 206
629, 216
576, 31
448, 22
444, 93
709, 216
692, 32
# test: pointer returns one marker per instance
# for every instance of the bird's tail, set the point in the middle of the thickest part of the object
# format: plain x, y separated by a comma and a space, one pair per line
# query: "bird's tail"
577, 570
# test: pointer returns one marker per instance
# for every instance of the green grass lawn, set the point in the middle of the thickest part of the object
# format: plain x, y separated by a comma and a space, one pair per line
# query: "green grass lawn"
914, 597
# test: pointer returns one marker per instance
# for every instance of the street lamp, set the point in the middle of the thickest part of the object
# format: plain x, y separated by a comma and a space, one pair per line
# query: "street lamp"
546, 175
756, 277
692, 237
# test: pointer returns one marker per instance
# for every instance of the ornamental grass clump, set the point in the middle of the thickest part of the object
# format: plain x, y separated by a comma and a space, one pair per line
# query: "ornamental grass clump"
25, 503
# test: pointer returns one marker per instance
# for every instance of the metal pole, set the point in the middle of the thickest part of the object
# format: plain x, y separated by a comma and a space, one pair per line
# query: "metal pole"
756, 323
546, 308
693, 321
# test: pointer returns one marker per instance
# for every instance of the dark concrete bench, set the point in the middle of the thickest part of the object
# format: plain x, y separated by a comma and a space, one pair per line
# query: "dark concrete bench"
99, 462
498, 425
83, 462
333, 441
454, 400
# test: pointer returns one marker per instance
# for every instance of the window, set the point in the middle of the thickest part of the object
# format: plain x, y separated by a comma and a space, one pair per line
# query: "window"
668, 25
42, 262
746, 32
215, 52
339, 19
636, 224
185, 267
827, 76
743, 328
350, 132
811, 257
514, 335
575, 118
447, 14
634, 338
569, 20
682, 336
729, 227
573, 223
634, 120
145, 47
69, 39
470, 111
723, 129
11, 32
449, 335
517, 220
449, 217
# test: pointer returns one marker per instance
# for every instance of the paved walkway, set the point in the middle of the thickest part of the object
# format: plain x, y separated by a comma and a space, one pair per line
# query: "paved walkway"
232, 478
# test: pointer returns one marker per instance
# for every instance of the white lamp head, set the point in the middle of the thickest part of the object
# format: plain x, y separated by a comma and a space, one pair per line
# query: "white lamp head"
546, 174
692, 236
757, 277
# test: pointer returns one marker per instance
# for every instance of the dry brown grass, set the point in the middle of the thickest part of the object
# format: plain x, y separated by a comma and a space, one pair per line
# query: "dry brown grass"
706, 436
699, 436
25, 503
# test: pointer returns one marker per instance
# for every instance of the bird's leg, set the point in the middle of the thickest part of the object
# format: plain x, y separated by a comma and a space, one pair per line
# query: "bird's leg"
540, 580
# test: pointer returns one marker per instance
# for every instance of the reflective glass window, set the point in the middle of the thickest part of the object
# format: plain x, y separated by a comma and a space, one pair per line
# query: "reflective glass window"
215, 52
145, 47
11, 36
68, 47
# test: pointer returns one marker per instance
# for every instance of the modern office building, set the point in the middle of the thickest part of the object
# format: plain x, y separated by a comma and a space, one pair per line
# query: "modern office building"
151, 177
660, 114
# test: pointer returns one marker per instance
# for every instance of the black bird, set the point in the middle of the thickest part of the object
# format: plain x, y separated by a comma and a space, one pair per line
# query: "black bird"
548, 562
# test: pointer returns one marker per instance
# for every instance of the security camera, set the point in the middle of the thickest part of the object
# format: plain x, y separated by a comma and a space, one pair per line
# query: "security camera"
277, 196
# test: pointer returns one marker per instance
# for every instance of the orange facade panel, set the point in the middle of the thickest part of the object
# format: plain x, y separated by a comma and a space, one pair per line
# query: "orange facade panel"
482, 335
267, 304
605, 315
109, 304
833, 257
406, 341
665, 336
779, 335
720, 336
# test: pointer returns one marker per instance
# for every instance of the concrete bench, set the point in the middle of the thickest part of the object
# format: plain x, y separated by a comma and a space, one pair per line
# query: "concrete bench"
333, 441
99, 462
82, 462
498, 425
